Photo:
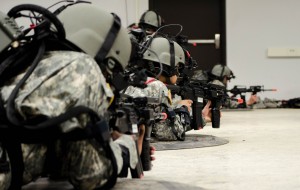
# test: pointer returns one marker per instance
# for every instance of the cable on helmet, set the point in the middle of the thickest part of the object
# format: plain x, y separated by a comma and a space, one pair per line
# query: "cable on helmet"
44, 16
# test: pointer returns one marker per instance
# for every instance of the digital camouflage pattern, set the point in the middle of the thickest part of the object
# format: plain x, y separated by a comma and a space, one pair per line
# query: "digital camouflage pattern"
163, 130
266, 103
200, 75
54, 87
271, 103
65, 79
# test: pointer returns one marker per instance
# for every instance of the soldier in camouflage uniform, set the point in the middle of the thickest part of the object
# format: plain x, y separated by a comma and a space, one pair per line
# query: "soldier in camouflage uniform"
223, 74
220, 74
64, 79
168, 129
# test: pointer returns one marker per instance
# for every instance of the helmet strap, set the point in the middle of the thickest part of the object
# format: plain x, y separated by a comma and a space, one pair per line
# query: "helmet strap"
109, 40
172, 55
221, 77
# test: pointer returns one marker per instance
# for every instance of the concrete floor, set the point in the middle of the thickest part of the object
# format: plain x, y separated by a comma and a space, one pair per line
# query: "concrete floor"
263, 153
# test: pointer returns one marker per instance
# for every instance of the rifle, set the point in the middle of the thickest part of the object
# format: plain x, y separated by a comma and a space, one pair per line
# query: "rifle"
198, 91
135, 112
241, 90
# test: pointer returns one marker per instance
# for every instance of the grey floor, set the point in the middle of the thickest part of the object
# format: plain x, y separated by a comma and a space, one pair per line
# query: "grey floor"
263, 153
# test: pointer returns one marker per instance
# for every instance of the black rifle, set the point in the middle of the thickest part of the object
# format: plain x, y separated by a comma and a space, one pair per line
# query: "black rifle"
241, 90
198, 91
135, 112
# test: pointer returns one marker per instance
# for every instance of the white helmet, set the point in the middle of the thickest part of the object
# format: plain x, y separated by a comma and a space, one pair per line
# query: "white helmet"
167, 52
220, 71
150, 19
96, 32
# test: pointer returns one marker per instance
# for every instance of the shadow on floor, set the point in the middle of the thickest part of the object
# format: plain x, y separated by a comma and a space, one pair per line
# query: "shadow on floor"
122, 184
191, 141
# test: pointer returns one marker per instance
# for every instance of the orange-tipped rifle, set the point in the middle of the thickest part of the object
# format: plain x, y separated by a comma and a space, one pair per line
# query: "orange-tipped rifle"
241, 90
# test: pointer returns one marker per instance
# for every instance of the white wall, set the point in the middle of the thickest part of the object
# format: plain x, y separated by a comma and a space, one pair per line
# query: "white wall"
252, 27
128, 10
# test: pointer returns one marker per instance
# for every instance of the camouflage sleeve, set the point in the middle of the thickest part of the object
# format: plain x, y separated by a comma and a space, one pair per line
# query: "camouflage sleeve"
175, 101
200, 75
53, 88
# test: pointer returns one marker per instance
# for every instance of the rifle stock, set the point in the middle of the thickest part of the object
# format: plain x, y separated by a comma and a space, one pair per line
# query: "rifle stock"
146, 111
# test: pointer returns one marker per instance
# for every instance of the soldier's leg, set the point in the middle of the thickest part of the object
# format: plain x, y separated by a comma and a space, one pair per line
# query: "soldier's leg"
88, 166
5, 173
34, 156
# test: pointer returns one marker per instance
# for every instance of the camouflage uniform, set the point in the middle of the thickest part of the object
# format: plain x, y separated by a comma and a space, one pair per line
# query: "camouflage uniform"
267, 103
200, 75
5, 176
163, 130
65, 79
271, 103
